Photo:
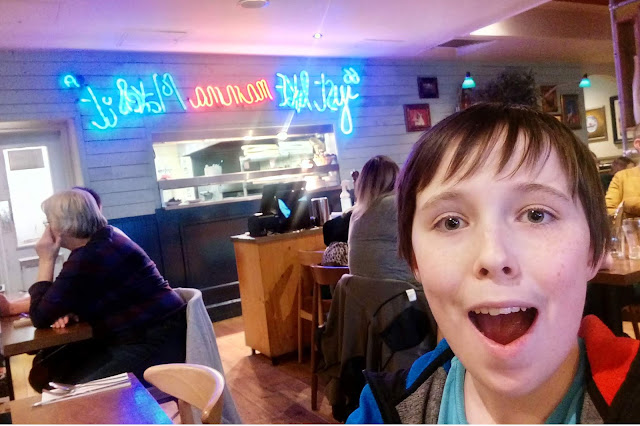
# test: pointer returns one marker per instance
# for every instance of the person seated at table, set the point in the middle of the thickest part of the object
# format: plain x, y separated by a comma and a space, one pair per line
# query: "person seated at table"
109, 282
625, 186
373, 233
620, 163
501, 216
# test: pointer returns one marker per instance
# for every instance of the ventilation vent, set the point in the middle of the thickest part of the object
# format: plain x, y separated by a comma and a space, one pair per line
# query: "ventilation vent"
456, 42
382, 40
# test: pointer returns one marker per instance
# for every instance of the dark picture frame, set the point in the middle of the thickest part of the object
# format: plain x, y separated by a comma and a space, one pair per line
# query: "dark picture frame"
549, 96
596, 120
428, 87
571, 111
417, 117
614, 103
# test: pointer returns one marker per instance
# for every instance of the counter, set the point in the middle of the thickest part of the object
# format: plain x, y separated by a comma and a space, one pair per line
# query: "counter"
268, 273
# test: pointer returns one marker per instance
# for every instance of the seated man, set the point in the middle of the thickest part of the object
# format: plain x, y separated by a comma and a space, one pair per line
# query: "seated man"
109, 282
502, 220
625, 186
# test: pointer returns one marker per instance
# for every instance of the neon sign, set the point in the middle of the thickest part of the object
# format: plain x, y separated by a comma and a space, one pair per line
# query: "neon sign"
295, 94
136, 98
132, 99
211, 96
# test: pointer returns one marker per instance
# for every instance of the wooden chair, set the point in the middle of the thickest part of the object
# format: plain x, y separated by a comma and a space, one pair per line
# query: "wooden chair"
322, 276
631, 313
194, 385
305, 291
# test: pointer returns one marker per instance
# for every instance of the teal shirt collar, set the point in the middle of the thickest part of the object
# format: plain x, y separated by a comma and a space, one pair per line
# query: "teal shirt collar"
452, 409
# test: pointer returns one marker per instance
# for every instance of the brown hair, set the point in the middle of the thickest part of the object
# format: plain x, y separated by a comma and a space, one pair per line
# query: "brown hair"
621, 163
377, 179
472, 134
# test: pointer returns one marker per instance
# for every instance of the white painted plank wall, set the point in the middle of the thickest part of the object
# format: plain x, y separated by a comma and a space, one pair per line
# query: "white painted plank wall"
118, 163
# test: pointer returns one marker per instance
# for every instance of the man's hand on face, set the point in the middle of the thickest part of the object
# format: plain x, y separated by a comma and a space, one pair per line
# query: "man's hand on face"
48, 246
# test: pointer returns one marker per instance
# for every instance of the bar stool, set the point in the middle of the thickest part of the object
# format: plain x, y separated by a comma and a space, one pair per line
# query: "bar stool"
305, 291
322, 276
631, 313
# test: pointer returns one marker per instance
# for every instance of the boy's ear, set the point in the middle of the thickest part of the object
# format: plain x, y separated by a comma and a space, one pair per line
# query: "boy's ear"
414, 269
605, 262
636, 144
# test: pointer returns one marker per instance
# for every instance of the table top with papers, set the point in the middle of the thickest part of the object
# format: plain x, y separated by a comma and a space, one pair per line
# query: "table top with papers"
118, 405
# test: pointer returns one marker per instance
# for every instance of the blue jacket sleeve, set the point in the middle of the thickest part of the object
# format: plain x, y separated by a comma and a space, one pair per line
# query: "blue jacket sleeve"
368, 412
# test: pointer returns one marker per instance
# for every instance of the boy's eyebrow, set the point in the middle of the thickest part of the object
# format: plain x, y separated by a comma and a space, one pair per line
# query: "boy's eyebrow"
524, 188
443, 196
536, 187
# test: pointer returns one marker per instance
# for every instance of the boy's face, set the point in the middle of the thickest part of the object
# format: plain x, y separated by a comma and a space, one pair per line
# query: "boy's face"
490, 246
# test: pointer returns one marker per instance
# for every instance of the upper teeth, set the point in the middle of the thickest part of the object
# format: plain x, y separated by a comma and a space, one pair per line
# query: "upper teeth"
499, 311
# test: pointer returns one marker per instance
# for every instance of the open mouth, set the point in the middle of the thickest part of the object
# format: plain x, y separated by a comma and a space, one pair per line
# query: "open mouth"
503, 325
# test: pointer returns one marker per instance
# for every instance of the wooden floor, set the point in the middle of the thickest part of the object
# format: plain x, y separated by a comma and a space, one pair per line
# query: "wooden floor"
262, 393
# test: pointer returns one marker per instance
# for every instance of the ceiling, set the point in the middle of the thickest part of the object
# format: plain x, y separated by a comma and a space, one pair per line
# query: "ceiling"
530, 30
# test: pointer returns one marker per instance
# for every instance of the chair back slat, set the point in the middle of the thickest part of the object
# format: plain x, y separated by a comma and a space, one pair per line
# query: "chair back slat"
328, 275
310, 257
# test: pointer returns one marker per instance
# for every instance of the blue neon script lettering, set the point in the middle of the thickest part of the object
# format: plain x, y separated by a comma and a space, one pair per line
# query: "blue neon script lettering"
295, 94
131, 98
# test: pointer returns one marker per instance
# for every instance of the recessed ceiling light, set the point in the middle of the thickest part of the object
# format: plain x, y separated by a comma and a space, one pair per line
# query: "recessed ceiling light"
253, 4
317, 35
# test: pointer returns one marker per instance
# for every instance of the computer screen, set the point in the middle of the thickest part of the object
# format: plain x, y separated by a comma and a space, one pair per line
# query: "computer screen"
289, 202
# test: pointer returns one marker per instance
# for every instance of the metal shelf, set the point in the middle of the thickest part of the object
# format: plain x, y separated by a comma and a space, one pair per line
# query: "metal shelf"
243, 177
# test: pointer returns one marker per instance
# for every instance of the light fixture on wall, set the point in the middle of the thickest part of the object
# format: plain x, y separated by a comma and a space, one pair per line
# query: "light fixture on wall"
253, 4
585, 82
468, 82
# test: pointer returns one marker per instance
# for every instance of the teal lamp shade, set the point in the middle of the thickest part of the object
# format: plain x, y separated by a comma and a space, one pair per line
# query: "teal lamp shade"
468, 82
585, 82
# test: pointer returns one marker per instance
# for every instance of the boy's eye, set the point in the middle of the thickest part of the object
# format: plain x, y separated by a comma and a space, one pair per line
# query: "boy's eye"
537, 216
450, 223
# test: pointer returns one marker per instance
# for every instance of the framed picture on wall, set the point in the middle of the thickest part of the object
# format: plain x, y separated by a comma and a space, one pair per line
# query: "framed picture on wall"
549, 96
596, 124
417, 117
614, 103
571, 112
427, 87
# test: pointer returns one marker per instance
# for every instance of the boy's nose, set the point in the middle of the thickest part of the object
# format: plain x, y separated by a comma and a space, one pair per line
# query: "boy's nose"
494, 259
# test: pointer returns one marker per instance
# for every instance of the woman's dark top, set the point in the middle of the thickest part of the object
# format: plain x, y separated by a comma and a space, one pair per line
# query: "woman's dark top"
336, 229
111, 283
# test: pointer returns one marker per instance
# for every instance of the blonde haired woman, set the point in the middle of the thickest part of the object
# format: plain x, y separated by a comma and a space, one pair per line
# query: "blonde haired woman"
373, 230
109, 282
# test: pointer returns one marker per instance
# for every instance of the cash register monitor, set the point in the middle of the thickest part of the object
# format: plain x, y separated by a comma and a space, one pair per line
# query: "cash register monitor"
289, 202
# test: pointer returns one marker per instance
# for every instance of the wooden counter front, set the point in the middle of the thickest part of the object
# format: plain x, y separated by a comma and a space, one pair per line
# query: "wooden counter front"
268, 272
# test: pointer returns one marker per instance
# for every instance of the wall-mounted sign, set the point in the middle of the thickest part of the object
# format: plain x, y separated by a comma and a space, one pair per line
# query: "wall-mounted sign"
297, 92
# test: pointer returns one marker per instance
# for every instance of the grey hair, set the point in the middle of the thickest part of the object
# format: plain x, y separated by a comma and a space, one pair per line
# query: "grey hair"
75, 213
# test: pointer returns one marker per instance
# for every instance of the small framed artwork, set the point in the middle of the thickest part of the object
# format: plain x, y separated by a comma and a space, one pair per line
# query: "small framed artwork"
417, 117
571, 112
549, 96
557, 117
596, 124
428, 87
614, 103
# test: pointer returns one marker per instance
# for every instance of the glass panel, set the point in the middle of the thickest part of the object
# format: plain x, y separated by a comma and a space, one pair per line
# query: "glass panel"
29, 179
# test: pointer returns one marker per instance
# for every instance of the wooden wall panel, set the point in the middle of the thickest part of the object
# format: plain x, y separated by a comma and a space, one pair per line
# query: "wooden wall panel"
119, 162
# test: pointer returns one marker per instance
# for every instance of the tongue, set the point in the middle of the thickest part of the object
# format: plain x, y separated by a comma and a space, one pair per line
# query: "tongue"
504, 329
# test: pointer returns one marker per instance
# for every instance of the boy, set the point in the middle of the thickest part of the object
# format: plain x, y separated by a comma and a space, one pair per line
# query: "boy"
502, 218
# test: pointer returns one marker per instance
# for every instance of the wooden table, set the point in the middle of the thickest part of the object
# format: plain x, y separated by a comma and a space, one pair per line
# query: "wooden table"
268, 272
20, 340
131, 405
606, 288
